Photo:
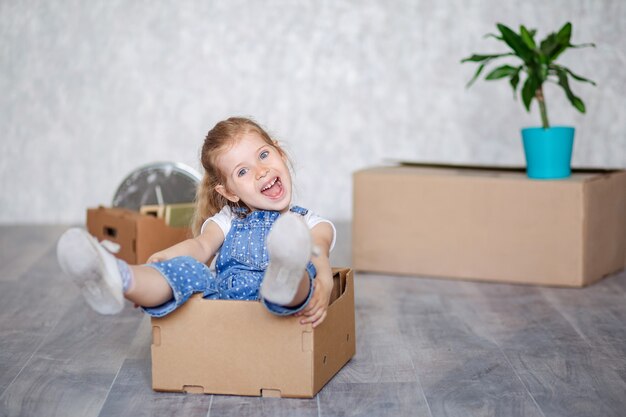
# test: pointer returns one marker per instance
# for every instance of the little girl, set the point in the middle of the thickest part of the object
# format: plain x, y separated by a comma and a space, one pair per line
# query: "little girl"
244, 215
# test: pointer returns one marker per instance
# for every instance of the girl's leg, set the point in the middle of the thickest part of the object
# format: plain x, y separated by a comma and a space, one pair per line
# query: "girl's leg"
301, 299
303, 291
162, 287
104, 280
93, 269
148, 287
289, 244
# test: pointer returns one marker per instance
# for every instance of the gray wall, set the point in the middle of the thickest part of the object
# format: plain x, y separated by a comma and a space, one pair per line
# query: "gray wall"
91, 90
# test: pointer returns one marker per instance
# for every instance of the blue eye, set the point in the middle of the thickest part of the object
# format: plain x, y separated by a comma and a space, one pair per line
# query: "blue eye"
242, 172
264, 154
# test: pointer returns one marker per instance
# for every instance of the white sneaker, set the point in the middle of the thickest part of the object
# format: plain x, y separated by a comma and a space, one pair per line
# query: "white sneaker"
93, 269
289, 246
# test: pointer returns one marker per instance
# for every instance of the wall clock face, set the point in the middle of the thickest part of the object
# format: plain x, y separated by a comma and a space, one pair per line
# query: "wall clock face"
159, 183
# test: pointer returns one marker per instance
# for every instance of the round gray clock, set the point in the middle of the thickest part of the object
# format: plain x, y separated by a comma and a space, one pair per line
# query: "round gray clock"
158, 183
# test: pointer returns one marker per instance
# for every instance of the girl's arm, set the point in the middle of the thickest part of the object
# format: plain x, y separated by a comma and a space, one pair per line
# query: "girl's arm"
202, 247
315, 311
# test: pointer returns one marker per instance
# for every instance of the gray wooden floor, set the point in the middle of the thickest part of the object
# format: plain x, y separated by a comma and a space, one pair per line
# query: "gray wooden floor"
425, 347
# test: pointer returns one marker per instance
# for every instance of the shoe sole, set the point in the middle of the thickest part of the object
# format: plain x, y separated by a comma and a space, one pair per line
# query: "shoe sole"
280, 283
96, 275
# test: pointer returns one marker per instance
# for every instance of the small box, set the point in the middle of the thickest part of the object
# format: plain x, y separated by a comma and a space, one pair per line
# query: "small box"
489, 224
139, 235
240, 348
174, 215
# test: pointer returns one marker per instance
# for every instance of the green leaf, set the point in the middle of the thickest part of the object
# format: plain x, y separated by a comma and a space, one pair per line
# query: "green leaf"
543, 72
563, 38
559, 50
516, 43
528, 91
549, 45
564, 82
514, 81
565, 34
501, 72
557, 43
485, 59
575, 76
583, 45
478, 71
493, 35
527, 37
480, 58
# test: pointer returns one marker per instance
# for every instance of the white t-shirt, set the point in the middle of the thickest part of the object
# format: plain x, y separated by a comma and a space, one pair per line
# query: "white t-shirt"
225, 217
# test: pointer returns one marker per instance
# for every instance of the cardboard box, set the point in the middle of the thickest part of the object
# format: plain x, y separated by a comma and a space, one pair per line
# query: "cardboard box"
489, 224
174, 215
139, 235
240, 348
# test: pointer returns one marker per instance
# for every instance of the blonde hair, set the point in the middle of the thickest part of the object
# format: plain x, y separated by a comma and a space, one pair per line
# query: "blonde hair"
219, 140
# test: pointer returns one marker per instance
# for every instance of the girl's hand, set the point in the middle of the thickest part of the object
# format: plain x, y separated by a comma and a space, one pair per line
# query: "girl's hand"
315, 312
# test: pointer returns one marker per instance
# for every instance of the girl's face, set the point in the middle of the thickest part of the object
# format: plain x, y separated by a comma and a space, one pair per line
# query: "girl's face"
256, 174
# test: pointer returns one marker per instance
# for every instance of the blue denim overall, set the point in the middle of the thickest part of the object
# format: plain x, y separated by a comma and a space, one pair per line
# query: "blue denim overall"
240, 267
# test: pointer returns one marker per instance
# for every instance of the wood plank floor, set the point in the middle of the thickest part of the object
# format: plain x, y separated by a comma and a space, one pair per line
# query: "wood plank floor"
425, 347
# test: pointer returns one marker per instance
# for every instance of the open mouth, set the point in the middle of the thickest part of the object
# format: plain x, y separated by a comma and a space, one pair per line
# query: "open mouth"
273, 189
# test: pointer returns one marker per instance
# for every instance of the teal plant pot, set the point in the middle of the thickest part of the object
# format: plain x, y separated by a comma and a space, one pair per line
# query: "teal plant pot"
548, 151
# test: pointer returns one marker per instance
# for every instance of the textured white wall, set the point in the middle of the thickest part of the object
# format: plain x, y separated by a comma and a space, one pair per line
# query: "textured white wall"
91, 90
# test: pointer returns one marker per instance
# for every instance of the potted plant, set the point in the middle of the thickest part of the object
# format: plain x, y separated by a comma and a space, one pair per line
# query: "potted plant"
548, 149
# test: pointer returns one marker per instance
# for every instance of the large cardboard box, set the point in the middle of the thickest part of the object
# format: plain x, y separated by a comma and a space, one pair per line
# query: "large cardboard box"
139, 235
489, 224
240, 348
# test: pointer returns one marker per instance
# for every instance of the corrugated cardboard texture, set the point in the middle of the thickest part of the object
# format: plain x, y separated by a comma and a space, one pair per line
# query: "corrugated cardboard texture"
488, 224
138, 235
604, 226
238, 347
334, 343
